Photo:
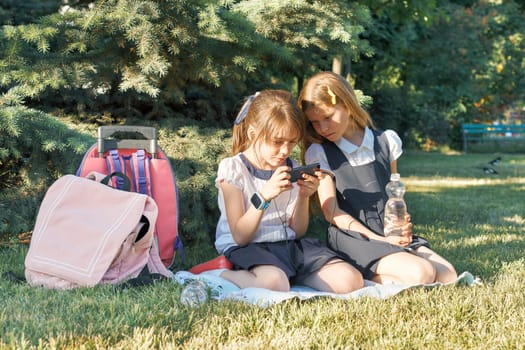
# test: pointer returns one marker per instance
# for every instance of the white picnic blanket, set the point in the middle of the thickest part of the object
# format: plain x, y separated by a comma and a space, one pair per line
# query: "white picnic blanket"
222, 289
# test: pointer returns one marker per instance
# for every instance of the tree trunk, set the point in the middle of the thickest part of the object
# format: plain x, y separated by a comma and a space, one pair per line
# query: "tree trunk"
300, 83
337, 64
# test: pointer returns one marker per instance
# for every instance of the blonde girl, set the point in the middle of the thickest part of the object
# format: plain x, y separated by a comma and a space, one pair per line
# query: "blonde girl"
341, 136
264, 216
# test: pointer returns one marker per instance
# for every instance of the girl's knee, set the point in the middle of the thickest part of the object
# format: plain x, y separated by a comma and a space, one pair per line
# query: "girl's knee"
446, 274
422, 273
350, 280
337, 278
405, 268
274, 279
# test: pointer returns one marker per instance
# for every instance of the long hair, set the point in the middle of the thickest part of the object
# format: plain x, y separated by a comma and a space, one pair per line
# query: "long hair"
266, 112
321, 91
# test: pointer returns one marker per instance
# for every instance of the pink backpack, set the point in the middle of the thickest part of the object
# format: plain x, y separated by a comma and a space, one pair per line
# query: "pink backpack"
87, 233
133, 150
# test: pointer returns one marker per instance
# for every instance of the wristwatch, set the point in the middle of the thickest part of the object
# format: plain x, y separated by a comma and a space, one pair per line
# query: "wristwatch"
258, 202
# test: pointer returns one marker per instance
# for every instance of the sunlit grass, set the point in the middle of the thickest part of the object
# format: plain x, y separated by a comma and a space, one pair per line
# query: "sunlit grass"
475, 220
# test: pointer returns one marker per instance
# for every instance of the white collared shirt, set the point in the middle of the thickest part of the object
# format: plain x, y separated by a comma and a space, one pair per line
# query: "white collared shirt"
356, 155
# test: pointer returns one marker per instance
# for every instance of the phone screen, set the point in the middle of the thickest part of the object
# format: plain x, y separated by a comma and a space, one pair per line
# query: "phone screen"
297, 172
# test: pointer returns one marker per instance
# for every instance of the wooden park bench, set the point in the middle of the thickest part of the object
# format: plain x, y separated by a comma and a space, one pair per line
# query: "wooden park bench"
490, 132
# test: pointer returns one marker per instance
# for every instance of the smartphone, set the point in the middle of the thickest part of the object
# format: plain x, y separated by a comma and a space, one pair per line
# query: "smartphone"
297, 172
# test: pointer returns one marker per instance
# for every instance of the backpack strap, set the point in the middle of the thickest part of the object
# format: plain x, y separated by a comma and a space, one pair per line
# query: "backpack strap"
144, 278
136, 165
128, 167
179, 249
126, 184
143, 180
153, 271
115, 165
155, 264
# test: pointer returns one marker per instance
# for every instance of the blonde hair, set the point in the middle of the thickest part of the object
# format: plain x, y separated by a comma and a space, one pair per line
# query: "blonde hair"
321, 91
267, 112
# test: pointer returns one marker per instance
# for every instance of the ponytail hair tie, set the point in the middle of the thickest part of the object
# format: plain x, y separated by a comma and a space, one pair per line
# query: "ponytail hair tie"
332, 95
244, 111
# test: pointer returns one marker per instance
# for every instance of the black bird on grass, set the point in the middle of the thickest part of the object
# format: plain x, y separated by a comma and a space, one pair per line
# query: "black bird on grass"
495, 161
489, 170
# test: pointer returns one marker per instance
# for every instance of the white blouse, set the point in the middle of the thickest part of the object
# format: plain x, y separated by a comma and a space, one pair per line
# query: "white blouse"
275, 217
356, 155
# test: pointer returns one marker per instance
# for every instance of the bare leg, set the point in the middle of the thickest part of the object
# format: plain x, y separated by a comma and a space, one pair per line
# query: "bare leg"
335, 276
445, 272
262, 276
405, 268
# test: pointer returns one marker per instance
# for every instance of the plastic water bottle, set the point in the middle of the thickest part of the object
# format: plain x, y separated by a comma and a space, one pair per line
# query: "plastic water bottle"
194, 293
395, 208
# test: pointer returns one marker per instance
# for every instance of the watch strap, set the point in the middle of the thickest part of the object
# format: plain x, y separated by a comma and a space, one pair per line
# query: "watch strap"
259, 202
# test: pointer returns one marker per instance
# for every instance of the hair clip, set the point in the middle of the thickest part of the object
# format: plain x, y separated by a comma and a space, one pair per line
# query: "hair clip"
332, 95
244, 111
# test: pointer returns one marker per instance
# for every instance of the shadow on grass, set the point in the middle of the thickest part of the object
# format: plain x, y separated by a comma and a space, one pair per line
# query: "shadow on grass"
477, 228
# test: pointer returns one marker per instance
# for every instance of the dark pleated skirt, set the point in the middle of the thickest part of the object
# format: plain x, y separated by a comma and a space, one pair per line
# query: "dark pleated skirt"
365, 253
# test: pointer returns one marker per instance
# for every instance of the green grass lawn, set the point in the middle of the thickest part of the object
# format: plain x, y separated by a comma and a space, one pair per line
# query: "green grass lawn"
474, 219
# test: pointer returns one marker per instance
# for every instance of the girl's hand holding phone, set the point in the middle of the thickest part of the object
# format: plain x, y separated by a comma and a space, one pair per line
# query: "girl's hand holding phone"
279, 182
308, 184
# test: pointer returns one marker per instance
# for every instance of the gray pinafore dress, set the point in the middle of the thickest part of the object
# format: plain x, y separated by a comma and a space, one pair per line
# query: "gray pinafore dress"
361, 193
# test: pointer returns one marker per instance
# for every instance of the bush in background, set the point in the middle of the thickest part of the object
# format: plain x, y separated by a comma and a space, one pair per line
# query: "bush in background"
36, 149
